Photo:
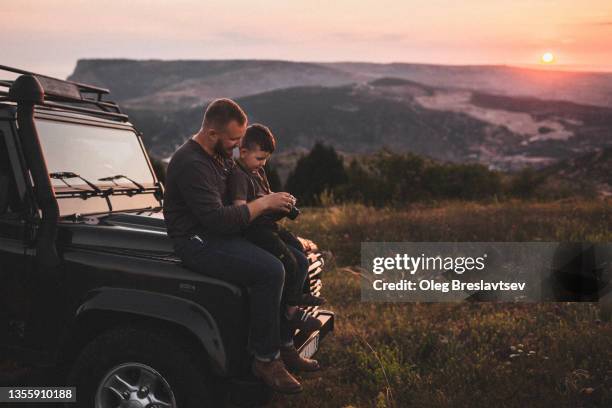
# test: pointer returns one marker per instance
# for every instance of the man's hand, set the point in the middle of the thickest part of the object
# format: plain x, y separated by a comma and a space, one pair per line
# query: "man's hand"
281, 202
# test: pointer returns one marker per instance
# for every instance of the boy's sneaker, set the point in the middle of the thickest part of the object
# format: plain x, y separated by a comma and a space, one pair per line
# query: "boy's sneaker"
294, 362
304, 322
275, 375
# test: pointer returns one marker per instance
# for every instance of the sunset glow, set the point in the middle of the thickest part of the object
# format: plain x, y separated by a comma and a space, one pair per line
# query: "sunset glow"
50, 35
548, 58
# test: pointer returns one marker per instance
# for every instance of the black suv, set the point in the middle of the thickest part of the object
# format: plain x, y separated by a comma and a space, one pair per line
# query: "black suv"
89, 285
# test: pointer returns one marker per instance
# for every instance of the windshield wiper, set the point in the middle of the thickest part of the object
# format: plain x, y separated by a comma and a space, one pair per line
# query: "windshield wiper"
121, 176
84, 194
63, 175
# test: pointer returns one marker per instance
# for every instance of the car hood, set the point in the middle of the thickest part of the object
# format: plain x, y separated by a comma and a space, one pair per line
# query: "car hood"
122, 232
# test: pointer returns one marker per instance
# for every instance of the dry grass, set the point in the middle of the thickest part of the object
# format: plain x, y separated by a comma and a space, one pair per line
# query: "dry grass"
459, 355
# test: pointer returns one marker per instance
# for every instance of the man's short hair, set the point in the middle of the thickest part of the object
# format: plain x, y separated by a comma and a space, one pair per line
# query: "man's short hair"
220, 112
259, 135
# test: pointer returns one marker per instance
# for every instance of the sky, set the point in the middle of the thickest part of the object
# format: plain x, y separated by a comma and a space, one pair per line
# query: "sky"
49, 36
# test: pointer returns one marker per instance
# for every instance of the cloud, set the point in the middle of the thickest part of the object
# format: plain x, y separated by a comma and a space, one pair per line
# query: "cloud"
368, 37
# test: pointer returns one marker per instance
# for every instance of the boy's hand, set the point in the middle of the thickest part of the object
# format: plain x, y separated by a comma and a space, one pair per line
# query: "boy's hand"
278, 201
281, 202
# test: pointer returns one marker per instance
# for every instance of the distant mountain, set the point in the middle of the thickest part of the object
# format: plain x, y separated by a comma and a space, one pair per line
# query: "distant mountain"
505, 117
546, 131
172, 85
352, 118
400, 115
591, 88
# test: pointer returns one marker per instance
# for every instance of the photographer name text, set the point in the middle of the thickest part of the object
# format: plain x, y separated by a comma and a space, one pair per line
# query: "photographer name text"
445, 287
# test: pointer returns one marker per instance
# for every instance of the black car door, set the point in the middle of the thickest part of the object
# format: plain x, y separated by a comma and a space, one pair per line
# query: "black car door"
14, 299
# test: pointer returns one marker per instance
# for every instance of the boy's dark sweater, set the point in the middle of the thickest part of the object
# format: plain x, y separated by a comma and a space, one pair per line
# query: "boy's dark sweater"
243, 184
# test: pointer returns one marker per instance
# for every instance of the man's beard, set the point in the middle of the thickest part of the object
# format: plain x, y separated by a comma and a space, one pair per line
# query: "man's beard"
221, 151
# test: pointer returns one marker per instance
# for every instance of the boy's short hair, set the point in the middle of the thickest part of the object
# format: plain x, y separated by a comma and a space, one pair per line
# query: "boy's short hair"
259, 135
220, 112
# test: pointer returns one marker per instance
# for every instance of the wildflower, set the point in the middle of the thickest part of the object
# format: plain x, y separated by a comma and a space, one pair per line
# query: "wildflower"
587, 391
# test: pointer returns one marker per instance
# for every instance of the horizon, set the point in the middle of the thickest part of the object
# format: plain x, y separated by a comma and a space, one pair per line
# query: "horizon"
50, 36
555, 68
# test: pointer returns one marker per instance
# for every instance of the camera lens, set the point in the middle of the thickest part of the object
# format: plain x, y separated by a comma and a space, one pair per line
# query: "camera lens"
293, 213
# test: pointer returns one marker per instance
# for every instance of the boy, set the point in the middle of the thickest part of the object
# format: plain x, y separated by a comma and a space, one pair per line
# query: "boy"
249, 182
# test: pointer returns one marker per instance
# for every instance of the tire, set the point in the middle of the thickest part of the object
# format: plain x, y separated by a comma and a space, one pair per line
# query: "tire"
123, 351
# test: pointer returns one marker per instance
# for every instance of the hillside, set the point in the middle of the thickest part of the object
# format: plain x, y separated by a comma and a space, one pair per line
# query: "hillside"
353, 118
504, 117
433, 355
172, 85
183, 83
502, 132
591, 88
594, 168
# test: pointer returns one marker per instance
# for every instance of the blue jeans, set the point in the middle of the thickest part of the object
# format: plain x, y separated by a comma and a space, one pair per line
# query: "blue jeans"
268, 237
235, 260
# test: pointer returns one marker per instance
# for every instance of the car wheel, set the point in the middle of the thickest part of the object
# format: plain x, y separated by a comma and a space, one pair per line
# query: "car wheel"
140, 368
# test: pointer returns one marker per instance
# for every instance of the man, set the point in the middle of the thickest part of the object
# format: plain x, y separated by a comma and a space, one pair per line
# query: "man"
206, 232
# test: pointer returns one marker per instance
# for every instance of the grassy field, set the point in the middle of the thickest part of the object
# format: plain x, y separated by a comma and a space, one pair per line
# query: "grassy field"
458, 355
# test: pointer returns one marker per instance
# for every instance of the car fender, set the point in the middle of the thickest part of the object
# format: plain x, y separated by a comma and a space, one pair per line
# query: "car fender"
183, 312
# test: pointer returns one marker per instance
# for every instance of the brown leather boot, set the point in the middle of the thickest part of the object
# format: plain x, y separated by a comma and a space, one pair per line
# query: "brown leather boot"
274, 374
294, 362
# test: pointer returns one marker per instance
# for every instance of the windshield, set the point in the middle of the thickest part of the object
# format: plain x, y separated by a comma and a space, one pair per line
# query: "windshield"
93, 153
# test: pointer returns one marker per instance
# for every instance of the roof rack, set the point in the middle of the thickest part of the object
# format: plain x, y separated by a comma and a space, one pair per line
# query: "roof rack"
68, 95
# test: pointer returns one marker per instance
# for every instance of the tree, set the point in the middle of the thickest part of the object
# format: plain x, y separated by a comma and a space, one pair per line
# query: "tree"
526, 183
273, 177
467, 181
388, 178
320, 170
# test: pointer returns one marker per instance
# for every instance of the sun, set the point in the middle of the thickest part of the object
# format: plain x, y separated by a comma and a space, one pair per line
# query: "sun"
548, 58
